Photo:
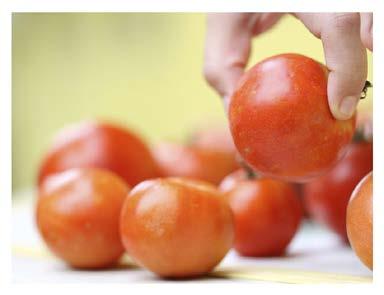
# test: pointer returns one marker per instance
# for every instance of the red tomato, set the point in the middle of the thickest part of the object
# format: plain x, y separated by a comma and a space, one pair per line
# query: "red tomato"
217, 138
359, 221
78, 216
267, 215
232, 179
326, 198
280, 119
193, 162
100, 145
176, 227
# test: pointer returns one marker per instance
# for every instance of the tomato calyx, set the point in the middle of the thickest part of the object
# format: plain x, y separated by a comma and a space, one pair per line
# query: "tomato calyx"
250, 173
360, 136
365, 89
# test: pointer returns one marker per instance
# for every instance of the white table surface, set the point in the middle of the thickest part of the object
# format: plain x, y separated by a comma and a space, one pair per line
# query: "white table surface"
312, 255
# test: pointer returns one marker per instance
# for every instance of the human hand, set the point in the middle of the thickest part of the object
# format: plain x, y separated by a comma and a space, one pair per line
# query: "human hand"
345, 37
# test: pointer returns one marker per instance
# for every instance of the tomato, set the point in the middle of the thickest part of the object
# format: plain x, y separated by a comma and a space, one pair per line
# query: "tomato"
78, 213
100, 145
359, 221
193, 162
232, 179
267, 215
281, 122
326, 198
213, 138
176, 227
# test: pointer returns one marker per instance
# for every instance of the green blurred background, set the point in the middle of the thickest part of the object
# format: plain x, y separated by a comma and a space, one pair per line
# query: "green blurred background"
141, 70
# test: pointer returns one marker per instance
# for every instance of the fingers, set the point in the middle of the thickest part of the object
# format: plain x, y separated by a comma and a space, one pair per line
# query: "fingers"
228, 46
227, 49
264, 21
366, 20
346, 58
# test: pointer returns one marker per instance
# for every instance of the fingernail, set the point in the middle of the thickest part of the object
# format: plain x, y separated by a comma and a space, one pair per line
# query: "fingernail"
348, 106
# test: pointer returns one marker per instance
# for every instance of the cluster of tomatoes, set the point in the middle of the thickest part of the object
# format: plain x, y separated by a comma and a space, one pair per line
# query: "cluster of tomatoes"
178, 209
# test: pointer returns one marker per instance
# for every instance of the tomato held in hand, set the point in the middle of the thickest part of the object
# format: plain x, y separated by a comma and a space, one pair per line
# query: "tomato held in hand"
176, 227
359, 221
100, 145
267, 215
78, 216
193, 162
326, 198
281, 122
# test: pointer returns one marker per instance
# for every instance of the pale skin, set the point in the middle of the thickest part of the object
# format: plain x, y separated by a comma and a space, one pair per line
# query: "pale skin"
345, 38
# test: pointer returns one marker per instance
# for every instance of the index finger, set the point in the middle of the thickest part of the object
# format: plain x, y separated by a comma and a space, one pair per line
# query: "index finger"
227, 49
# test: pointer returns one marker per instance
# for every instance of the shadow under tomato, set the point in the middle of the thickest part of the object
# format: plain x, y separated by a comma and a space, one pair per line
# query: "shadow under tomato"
151, 277
120, 266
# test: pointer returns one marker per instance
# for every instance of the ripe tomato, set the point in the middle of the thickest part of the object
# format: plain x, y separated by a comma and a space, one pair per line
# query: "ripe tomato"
267, 215
176, 227
280, 119
217, 138
193, 162
359, 221
78, 216
326, 198
100, 145
232, 179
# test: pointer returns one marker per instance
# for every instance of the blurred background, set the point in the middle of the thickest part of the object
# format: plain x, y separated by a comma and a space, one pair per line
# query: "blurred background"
140, 70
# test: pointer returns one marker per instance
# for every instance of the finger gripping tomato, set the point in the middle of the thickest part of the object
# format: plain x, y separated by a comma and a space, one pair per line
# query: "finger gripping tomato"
281, 122
77, 215
176, 227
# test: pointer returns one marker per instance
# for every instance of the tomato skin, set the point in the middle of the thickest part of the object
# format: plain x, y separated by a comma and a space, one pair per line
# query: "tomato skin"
77, 215
237, 176
213, 138
359, 221
267, 215
326, 198
100, 145
230, 181
176, 227
281, 122
175, 160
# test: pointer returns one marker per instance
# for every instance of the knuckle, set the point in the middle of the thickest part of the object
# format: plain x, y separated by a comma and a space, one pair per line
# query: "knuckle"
211, 74
345, 21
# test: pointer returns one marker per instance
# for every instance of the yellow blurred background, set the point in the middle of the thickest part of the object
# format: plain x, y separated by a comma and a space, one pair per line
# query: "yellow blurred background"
141, 70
